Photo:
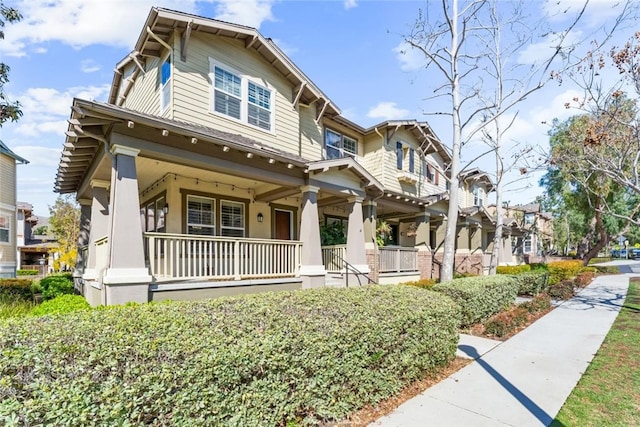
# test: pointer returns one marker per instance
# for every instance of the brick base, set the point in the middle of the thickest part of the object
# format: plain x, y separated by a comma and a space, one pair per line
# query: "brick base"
372, 262
463, 264
425, 264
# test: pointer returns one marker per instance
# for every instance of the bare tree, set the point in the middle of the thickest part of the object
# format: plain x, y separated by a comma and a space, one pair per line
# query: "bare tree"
462, 47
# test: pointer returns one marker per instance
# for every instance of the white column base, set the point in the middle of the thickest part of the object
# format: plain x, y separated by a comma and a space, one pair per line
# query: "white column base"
123, 276
312, 270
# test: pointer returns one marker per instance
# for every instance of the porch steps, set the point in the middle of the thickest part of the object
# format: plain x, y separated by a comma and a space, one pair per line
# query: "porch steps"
334, 280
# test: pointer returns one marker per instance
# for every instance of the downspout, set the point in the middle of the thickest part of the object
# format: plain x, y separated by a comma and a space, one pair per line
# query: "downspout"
375, 129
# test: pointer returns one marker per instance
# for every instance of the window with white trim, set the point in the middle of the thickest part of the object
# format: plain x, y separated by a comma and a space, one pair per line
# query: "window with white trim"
478, 196
5, 228
241, 98
527, 244
165, 84
405, 157
201, 215
338, 145
529, 218
231, 219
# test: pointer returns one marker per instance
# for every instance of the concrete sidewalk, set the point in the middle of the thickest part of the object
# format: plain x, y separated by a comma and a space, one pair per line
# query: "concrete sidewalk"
525, 380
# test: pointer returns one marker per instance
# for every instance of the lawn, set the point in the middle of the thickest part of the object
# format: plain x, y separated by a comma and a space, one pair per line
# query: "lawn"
609, 392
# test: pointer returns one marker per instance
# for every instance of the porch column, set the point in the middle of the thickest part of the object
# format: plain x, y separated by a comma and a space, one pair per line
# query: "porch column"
98, 229
83, 241
504, 255
356, 252
423, 243
369, 217
127, 278
312, 269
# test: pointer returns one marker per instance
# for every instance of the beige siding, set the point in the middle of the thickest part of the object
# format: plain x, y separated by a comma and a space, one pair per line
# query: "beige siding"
311, 134
192, 90
7, 180
372, 156
144, 96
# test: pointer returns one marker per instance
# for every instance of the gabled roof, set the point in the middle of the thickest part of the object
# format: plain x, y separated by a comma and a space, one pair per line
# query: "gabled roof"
350, 164
162, 23
473, 210
6, 151
477, 175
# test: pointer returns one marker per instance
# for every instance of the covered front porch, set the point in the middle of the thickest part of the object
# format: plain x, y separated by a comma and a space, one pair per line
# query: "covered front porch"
168, 212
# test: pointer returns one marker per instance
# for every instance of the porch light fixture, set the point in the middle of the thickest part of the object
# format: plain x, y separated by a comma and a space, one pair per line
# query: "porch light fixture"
260, 217
225, 149
272, 161
194, 140
165, 132
130, 124
290, 166
165, 208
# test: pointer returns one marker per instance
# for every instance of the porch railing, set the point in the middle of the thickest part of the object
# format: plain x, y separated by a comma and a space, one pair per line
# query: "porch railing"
398, 259
186, 256
333, 256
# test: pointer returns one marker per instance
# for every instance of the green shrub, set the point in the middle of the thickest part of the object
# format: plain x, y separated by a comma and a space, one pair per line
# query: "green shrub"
607, 269
536, 266
589, 268
513, 269
61, 304
457, 275
563, 270
583, 278
15, 290
15, 308
27, 272
563, 290
532, 282
304, 357
480, 297
56, 284
422, 283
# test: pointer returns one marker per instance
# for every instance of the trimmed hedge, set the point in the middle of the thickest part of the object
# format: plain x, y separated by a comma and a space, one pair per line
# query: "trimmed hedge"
56, 284
513, 269
27, 272
508, 321
16, 289
303, 357
422, 283
61, 304
563, 270
532, 282
480, 297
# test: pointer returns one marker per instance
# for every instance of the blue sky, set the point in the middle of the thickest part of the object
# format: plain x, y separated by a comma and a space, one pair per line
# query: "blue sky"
351, 49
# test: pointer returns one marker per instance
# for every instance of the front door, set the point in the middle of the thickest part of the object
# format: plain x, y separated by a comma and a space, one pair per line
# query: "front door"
283, 225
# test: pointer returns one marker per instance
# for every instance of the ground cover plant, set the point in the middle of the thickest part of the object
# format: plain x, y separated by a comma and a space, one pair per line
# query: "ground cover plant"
608, 393
512, 320
282, 358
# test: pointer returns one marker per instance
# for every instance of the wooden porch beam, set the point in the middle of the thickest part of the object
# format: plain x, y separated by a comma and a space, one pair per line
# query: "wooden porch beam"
331, 201
278, 193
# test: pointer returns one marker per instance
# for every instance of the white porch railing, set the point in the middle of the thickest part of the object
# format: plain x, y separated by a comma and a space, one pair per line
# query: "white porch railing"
398, 259
186, 256
333, 258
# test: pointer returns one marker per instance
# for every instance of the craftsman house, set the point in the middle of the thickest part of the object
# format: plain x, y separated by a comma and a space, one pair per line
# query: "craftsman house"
8, 210
216, 162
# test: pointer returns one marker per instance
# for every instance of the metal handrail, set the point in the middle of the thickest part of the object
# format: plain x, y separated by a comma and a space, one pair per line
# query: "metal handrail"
348, 266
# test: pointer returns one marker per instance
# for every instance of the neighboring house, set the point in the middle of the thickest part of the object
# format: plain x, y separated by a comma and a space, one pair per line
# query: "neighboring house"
536, 238
215, 161
8, 210
34, 251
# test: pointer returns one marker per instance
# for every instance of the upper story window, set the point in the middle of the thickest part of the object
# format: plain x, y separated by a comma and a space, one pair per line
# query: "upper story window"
405, 157
238, 97
478, 196
5, 228
165, 84
431, 173
338, 145
528, 218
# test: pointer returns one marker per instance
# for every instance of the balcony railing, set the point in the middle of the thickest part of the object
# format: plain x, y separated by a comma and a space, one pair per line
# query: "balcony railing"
333, 256
398, 259
185, 256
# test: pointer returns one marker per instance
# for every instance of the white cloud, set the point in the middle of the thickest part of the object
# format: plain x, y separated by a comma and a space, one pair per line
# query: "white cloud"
541, 51
387, 111
596, 13
81, 23
410, 59
285, 47
39, 156
245, 12
349, 4
89, 66
45, 109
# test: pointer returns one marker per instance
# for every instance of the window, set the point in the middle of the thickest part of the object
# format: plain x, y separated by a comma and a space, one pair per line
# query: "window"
429, 172
528, 218
200, 216
338, 145
165, 83
5, 228
405, 157
240, 98
231, 219
527, 245
478, 196
152, 214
